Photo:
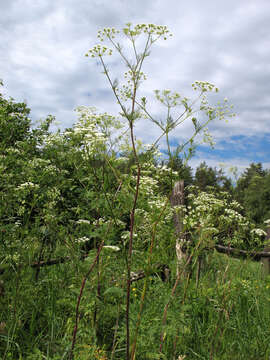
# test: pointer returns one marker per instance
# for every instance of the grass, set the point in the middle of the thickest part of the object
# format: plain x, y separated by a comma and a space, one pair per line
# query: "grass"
224, 316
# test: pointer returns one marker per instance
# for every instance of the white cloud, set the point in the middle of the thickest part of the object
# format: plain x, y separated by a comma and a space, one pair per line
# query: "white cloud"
228, 43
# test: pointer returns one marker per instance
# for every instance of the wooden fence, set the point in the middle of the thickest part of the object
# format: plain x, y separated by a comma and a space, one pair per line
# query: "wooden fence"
177, 198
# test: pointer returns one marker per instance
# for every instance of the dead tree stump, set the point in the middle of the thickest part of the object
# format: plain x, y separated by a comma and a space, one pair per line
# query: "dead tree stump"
177, 198
266, 261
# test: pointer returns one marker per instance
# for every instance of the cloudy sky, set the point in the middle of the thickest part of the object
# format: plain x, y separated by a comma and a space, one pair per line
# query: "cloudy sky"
227, 43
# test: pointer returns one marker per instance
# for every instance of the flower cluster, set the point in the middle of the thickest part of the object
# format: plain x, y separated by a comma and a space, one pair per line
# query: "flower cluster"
126, 235
107, 32
53, 139
99, 51
153, 31
216, 215
88, 128
163, 170
208, 138
169, 98
150, 29
148, 185
258, 232
133, 76
28, 185
83, 221
204, 86
124, 92
82, 239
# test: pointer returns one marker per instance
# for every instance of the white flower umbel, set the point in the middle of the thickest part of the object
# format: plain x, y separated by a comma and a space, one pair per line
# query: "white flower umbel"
111, 247
28, 185
83, 221
82, 239
258, 232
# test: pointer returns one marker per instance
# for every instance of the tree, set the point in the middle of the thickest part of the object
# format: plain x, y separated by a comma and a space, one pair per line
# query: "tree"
252, 191
205, 176
246, 178
183, 170
14, 123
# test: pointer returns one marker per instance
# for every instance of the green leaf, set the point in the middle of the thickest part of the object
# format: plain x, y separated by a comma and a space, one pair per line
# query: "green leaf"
114, 292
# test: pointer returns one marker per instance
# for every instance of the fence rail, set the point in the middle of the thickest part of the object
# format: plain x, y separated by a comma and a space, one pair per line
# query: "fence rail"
177, 198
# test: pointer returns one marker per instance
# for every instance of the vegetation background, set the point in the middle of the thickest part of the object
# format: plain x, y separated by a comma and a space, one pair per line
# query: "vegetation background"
85, 211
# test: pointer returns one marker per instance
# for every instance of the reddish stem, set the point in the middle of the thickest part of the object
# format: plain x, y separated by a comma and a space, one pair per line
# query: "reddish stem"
80, 297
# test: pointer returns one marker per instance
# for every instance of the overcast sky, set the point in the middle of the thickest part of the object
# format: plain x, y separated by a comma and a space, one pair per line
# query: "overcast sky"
43, 43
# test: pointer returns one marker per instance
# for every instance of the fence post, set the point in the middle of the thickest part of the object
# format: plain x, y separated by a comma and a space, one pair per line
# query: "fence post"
266, 261
177, 198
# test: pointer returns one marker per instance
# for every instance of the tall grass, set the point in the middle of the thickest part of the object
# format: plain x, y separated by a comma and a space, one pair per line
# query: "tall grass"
224, 316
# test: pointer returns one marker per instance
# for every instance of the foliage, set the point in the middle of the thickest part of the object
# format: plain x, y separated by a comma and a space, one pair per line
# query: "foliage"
208, 176
252, 191
215, 216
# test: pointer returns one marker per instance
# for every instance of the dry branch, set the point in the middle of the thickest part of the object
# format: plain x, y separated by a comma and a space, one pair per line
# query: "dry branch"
252, 255
56, 261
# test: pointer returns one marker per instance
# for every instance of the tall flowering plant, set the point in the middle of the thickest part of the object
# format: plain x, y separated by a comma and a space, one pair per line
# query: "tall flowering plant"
133, 44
